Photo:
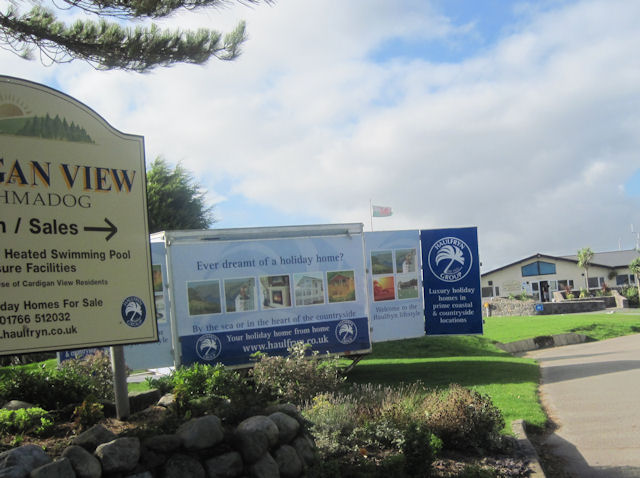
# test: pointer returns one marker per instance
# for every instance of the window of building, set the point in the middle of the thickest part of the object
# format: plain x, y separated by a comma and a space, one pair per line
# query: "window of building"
562, 284
538, 268
595, 282
622, 279
487, 292
625, 279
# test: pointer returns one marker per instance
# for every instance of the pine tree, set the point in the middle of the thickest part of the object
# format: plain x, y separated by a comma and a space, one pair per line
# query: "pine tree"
175, 200
110, 45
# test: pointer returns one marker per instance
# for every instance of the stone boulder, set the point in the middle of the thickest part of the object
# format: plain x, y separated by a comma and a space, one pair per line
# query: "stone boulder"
228, 465
288, 462
119, 455
56, 469
94, 436
183, 466
83, 463
288, 426
200, 433
21, 461
256, 436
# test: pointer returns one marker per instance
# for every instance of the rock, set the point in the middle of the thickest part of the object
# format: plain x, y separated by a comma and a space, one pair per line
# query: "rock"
288, 426
19, 462
288, 408
94, 436
288, 462
265, 467
200, 433
144, 474
17, 405
256, 436
141, 400
228, 465
305, 449
167, 400
57, 469
150, 459
163, 443
83, 463
119, 455
183, 466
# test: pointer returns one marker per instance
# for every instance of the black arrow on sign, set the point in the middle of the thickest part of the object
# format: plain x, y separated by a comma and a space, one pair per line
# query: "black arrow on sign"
112, 229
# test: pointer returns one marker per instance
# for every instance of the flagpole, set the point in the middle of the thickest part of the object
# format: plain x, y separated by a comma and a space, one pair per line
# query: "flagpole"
371, 214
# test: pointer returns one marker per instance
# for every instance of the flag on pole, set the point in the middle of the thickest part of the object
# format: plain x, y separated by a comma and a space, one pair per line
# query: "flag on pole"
381, 211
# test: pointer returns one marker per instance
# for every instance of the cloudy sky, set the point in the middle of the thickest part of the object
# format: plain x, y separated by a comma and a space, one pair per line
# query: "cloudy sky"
521, 118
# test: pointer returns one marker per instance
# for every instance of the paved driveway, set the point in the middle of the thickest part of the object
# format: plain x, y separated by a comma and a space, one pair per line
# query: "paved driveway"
592, 391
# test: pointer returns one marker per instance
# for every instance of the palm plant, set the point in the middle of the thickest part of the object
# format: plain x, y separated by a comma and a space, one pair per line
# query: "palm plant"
635, 269
585, 256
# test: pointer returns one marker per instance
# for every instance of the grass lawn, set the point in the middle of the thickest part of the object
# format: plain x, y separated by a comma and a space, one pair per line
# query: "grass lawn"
471, 361
597, 326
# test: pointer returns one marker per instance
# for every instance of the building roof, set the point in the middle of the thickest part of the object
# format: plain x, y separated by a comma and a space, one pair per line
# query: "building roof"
611, 259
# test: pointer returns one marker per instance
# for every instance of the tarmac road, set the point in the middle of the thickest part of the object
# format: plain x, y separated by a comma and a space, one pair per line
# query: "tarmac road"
592, 392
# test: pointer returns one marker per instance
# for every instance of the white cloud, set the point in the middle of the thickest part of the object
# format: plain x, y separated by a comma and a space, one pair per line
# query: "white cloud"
529, 139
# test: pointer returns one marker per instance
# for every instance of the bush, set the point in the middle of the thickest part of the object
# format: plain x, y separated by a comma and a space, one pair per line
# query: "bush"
47, 389
202, 388
88, 413
298, 377
420, 448
631, 293
382, 425
69, 384
34, 421
465, 419
98, 368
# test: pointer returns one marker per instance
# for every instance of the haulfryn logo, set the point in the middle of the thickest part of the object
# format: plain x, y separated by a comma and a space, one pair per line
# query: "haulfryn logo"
208, 347
133, 311
450, 259
346, 332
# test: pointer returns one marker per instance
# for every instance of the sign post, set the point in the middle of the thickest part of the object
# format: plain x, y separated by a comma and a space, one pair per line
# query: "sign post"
75, 268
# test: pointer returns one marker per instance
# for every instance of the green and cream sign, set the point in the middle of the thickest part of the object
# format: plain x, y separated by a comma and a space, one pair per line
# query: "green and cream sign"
75, 267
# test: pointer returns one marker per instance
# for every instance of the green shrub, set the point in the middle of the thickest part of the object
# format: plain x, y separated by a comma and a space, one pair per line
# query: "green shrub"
465, 419
69, 384
631, 293
375, 421
35, 421
98, 368
297, 377
46, 389
202, 388
88, 413
164, 384
420, 449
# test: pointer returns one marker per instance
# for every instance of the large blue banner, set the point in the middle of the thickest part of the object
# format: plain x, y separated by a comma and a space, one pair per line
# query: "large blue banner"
395, 285
451, 281
237, 297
